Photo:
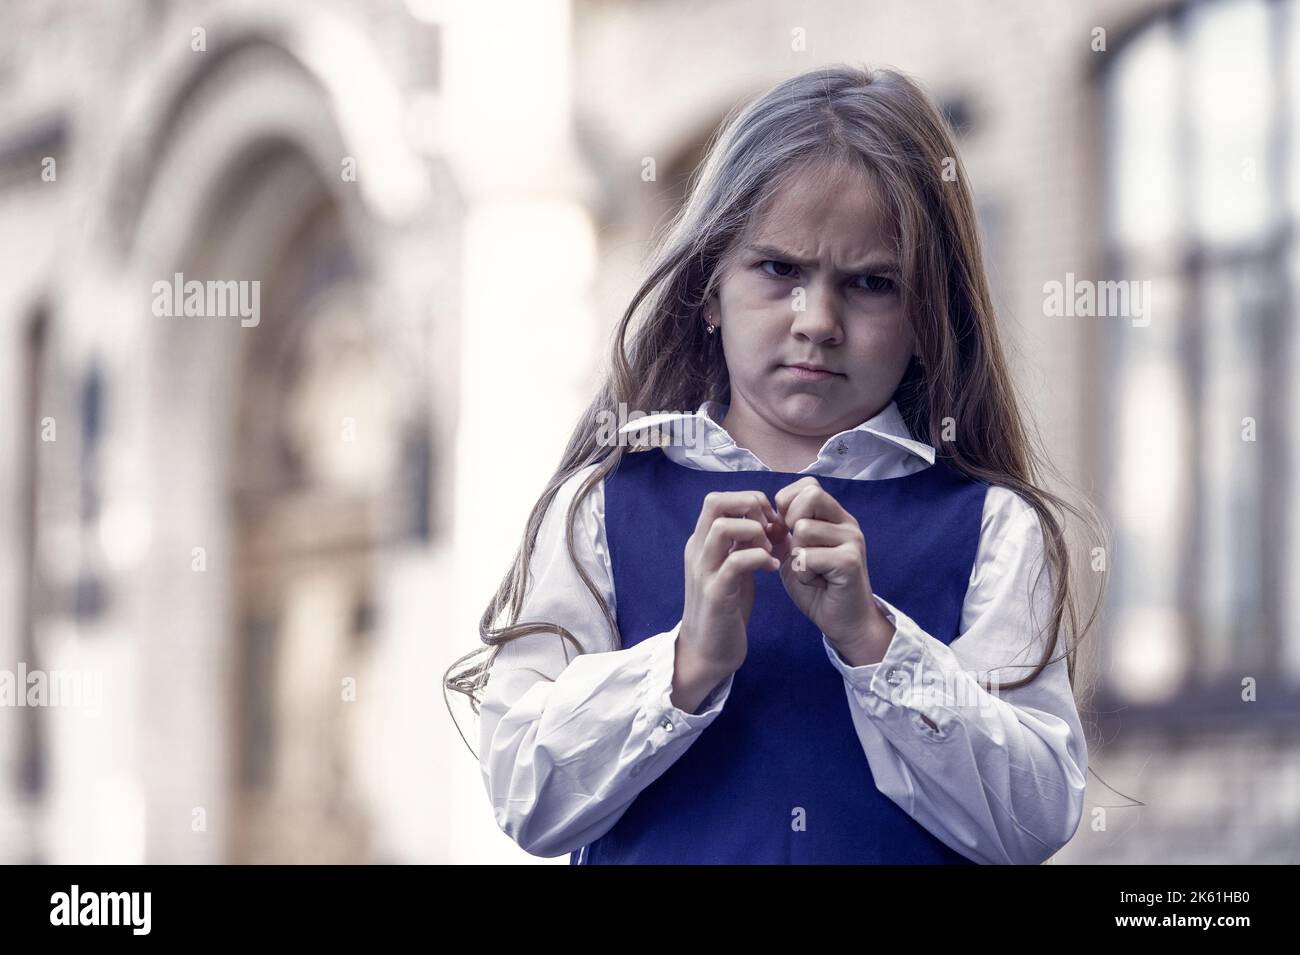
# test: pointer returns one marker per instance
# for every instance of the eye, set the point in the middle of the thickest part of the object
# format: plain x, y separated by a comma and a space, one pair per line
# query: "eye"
778, 275
879, 284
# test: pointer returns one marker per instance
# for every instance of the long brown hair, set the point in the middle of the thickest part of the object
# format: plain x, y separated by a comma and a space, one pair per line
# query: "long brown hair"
958, 397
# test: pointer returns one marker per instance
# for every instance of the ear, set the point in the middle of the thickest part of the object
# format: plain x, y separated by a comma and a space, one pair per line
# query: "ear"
712, 311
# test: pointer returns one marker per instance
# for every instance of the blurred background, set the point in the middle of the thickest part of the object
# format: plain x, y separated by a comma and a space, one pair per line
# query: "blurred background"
243, 552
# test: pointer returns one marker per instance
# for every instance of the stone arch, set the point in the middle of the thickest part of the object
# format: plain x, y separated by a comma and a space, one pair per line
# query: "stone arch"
236, 178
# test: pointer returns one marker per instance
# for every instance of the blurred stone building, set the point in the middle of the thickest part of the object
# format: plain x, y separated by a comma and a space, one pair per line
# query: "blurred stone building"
270, 534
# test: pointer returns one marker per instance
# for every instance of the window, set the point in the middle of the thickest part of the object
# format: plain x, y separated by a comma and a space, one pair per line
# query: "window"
1202, 186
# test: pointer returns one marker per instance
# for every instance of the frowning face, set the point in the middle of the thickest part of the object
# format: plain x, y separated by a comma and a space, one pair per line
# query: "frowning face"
811, 316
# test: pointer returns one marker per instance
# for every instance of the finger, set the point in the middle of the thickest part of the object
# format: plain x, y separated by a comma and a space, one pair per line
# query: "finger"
813, 532
787, 494
753, 504
728, 534
814, 502
744, 561
818, 566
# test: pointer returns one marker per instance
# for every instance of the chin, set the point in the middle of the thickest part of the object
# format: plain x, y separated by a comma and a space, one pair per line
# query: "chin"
807, 412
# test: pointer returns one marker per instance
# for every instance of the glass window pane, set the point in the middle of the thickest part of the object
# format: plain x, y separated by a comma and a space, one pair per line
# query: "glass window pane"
1149, 495
1231, 103
1141, 108
1233, 304
1291, 23
1290, 595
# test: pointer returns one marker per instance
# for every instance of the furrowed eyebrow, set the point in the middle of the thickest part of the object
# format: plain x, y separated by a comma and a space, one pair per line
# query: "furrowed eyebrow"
874, 267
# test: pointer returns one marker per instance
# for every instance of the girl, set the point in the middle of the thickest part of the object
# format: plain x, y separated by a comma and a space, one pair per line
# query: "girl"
788, 611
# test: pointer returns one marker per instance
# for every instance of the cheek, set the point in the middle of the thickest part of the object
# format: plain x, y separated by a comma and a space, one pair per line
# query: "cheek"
886, 327
900, 329
749, 294
760, 313
884, 341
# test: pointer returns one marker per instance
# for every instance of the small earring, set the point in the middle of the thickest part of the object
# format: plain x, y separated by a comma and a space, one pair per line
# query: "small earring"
709, 326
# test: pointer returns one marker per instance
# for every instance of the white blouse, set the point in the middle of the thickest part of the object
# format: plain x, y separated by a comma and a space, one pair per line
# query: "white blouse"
568, 741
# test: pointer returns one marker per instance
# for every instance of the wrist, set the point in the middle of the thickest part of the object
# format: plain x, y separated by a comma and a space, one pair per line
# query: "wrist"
693, 679
871, 643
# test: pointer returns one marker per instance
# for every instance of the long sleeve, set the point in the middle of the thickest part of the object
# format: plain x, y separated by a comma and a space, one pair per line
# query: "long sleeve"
567, 740
998, 777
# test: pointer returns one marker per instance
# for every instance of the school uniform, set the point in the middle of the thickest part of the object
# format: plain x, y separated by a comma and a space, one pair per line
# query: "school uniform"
797, 757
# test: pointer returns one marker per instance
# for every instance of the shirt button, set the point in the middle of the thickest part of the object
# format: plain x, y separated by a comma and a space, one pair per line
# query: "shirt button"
842, 448
667, 724
893, 678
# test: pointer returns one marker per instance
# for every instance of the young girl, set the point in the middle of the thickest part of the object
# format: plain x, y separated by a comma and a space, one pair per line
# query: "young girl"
789, 616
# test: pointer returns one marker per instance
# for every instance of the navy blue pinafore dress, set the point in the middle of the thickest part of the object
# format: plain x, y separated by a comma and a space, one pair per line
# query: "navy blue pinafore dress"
780, 776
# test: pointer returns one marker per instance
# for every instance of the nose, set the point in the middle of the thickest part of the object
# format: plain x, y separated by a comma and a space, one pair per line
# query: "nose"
819, 320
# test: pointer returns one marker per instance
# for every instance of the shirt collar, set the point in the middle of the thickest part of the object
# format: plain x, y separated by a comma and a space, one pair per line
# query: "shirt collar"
848, 451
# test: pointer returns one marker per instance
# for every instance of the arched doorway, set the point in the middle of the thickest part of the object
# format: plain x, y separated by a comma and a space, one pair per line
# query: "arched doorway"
282, 451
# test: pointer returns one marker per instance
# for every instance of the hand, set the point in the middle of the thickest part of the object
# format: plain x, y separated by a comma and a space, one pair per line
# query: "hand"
824, 569
731, 540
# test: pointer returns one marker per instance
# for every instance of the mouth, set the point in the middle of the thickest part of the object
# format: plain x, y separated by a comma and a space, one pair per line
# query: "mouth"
807, 372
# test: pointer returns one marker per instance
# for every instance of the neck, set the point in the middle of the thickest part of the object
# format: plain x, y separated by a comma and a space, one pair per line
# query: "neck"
778, 450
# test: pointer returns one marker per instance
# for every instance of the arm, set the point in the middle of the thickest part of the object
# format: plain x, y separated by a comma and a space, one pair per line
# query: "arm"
568, 741
997, 777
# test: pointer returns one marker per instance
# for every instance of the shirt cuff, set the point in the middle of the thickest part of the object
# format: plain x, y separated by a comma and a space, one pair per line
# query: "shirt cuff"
657, 689
895, 687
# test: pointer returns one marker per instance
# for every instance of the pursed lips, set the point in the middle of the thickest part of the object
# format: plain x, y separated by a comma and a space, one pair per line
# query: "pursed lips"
810, 372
